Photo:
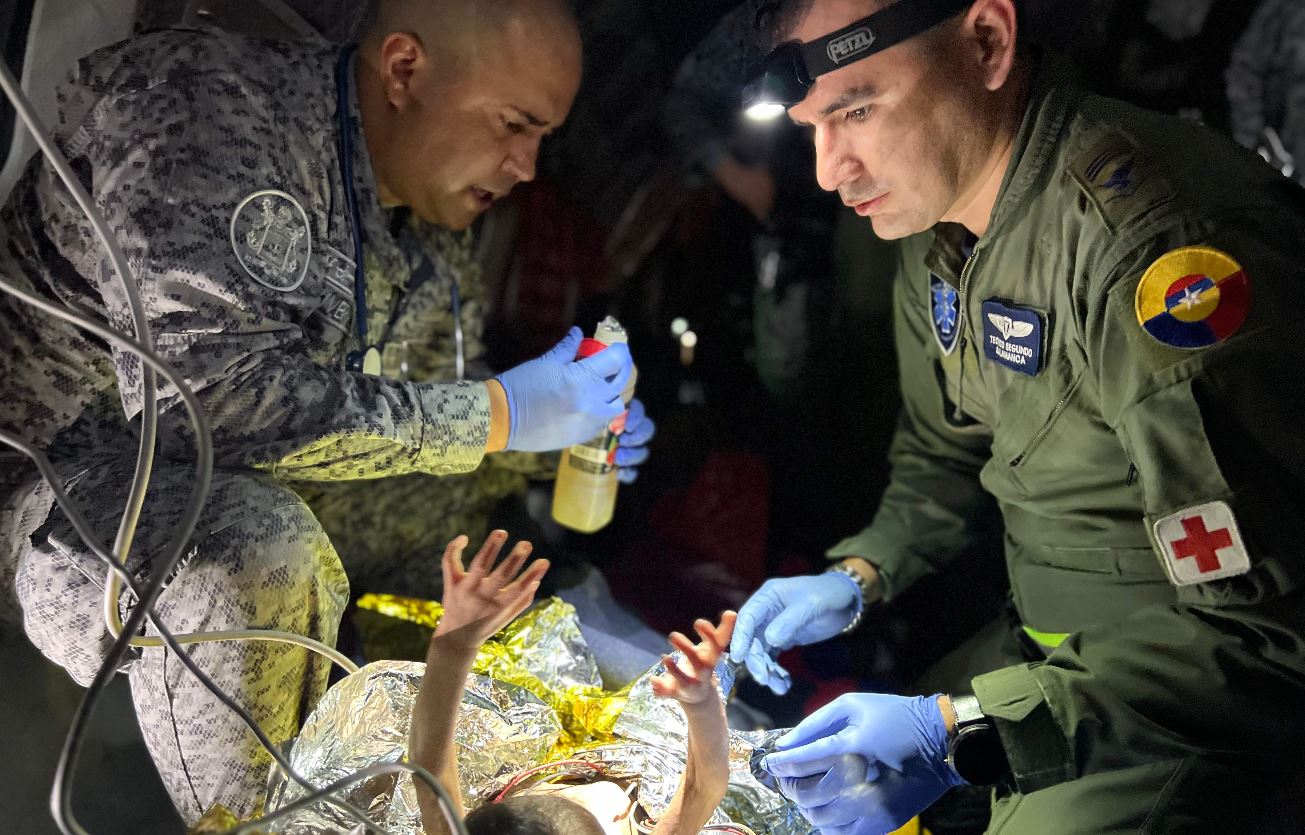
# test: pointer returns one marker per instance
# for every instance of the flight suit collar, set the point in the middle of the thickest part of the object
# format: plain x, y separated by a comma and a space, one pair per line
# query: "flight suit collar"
1051, 103
947, 255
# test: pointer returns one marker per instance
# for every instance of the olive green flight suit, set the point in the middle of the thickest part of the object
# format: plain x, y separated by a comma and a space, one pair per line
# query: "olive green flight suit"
1164, 708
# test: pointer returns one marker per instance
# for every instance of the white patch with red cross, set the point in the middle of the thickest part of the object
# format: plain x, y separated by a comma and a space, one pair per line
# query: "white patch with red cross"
1201, 544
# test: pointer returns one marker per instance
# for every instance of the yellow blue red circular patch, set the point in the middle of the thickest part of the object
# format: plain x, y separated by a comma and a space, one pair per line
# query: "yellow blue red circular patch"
1193, 297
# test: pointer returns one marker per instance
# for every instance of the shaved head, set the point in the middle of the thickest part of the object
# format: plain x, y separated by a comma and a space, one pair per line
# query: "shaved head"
464, 27
456, 96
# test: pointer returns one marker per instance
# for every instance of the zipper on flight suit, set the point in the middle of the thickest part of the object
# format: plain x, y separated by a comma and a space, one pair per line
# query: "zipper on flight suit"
1046, 427
958, 414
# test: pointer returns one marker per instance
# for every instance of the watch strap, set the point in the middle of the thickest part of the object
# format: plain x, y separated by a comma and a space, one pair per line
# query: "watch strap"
862, 586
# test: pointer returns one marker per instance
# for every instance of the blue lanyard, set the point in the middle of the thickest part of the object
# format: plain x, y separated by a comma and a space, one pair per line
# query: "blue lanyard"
354, 361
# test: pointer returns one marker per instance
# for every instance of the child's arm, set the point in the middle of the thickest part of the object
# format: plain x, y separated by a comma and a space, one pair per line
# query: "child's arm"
478, 602
693, 685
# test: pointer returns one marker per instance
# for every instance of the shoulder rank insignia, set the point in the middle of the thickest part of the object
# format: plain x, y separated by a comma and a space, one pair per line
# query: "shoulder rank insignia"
1201, 543
1193, 297
944, 302
270, 235
1116, 178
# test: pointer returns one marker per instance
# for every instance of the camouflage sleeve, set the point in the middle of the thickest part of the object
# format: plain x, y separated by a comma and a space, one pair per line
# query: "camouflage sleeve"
1202, 397
934, 504
170, 164
705, 98
1247, 75
458, 252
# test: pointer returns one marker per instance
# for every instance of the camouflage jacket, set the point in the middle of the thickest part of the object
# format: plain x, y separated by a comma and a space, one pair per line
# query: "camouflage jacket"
214, 161
1266, 78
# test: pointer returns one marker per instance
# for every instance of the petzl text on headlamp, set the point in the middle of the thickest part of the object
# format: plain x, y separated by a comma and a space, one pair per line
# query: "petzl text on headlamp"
785, 76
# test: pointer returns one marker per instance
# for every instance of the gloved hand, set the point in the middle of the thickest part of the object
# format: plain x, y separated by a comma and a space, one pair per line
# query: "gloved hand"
632, 445
794, 611
866, 763
556, 401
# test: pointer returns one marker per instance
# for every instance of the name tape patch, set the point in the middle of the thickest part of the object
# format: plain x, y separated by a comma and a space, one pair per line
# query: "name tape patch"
1013, 336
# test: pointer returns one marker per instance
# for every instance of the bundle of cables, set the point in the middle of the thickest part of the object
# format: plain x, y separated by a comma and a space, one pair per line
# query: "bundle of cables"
127, 634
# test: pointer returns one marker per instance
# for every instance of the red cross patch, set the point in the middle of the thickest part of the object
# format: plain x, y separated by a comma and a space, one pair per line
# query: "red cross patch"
1201, 544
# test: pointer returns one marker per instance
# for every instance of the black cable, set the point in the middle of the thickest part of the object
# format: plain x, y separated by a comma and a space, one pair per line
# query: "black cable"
456, 826
61, 799
61, 796
84, 531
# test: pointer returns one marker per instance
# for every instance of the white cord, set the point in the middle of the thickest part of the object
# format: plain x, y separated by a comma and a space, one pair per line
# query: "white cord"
149, 415
142, 346
140, 321
253, 635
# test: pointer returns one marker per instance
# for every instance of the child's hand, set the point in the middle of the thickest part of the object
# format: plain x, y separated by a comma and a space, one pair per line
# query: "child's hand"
479, 602
693, 681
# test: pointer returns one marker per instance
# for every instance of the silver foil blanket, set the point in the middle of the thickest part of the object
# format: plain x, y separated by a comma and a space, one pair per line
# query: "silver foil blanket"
503, 729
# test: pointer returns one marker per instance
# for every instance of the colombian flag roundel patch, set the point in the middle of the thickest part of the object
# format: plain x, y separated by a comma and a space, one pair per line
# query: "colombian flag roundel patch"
1193, 297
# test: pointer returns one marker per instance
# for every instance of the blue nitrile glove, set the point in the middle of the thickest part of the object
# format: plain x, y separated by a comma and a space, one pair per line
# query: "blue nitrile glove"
866, 763
632, 444
556, 401
794, 611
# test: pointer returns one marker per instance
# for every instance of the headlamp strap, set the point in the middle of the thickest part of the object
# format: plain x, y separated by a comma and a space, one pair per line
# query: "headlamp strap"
887, 27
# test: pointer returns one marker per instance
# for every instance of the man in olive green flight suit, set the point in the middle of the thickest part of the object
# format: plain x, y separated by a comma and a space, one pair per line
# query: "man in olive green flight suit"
1099, 327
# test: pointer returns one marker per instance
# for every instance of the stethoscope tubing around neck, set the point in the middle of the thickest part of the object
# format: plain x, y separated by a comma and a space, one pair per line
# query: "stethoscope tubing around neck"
344, 143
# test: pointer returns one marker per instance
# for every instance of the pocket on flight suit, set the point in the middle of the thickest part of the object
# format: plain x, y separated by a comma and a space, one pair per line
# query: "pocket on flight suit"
1121, 802
1052, 427
1066, 589
1190, 796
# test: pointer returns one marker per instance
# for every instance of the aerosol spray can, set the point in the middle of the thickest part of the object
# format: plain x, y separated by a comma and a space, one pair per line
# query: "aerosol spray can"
584, 495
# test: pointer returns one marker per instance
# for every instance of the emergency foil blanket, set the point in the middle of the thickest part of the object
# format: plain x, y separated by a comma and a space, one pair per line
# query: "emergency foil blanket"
534, 697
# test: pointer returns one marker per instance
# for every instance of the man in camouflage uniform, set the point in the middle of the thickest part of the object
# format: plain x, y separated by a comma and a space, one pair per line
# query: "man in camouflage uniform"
386, 530
1097, 328
1266, 84
219, 164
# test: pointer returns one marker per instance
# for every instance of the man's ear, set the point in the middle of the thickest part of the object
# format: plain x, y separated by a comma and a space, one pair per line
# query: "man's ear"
992, 28
402, 56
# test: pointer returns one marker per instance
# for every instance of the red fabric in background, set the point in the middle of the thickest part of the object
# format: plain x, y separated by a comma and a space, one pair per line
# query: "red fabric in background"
559, 262
706, 547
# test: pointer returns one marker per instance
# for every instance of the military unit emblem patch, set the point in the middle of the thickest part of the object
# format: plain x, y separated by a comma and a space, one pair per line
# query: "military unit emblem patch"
271, 238
1193, 297
944, 302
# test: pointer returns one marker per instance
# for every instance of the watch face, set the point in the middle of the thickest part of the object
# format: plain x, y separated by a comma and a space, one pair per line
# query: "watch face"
978, 756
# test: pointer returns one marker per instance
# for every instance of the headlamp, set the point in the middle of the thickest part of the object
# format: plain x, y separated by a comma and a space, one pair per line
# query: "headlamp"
785, 76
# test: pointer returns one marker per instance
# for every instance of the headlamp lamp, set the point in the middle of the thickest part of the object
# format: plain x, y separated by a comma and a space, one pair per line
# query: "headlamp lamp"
785, 76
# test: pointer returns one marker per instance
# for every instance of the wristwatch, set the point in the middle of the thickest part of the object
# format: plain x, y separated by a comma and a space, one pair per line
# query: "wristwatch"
975, 751
844, 568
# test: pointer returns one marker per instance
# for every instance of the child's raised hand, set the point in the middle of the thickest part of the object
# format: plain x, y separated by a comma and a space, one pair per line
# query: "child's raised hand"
478, 601
692, 681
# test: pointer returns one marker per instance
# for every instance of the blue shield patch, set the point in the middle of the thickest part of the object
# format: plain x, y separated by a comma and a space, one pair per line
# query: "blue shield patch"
1012, 336
944, 302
